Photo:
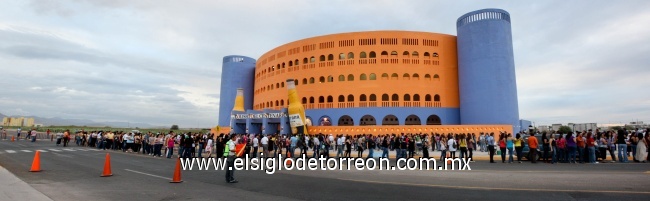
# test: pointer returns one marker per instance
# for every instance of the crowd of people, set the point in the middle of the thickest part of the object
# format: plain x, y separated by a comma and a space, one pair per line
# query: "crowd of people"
579, 147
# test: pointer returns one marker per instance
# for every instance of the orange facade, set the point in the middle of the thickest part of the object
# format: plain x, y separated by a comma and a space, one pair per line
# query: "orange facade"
362, 69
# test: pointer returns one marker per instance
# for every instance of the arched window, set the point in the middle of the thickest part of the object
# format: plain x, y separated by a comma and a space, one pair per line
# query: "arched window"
330, 99
321, 99
363, 97
434, 54
321, 79
341, 98
341, 56
415, 54
350, 55
427, 77
281, 102
384, 97
373, 97
427, 98
277, 85
373, 76
294, 81
363, 77
436, 77
427, 55
416, 76
406, 53
311, 99
407, 97
305, 61
372, 55
367, 120
311, 80
322, 58
393, 53
436, 97
330, 79
296, 62
384, 76
277, 103
283, 65
395, 97
350, 77
290, 63
416, 97
341, 78
350, 98
434, 120
330, 57
362, 55
346, 120
413, 120
304, 100
312, 59
384, 53
390, 120
406, 76
393, 76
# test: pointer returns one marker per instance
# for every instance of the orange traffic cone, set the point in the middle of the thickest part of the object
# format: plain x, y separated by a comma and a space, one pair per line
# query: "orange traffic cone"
36, 164
288, 157
177, 173
13, 138
107, 167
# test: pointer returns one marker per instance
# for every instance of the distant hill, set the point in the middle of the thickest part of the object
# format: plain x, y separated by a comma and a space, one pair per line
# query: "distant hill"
57, 121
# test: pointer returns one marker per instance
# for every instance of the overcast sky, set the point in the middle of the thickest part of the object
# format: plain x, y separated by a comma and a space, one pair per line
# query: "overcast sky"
159, 61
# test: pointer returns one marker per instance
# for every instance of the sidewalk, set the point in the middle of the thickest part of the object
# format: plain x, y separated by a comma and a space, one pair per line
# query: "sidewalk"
12, 188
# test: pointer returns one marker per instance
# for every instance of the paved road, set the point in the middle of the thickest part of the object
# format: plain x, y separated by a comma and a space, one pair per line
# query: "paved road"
72, 173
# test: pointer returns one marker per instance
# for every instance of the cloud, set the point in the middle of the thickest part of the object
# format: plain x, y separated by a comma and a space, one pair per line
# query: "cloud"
160, 61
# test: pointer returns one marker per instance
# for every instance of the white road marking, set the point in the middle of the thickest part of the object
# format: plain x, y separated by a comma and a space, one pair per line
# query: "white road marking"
148, 174
41, 150
61, 155
10, 151
55, 150
26, 151
69, 149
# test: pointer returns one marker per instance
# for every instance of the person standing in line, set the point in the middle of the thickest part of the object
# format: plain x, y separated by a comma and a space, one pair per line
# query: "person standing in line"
553, 149
348, 147
339, 145
641, 149
490, 145
591, 147
519, 142
532, 144
360, 146
201, 146
451, 143
481, 142
622, 146
170, 147
611, 145
370, 145
571, 144
502, 147
443, 149
396, 146
560, 152
18, 134
463, 146
32, 134
256, 145
292, 146
265, 146
545, 146
425, 147
510, 143
384, 147
317, 147
188, 142
581, 147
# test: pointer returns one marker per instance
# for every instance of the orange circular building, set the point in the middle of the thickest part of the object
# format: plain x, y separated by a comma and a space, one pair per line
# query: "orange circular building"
365, 78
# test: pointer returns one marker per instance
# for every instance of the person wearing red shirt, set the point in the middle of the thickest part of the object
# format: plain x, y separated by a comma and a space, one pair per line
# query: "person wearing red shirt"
532, 144
591, 146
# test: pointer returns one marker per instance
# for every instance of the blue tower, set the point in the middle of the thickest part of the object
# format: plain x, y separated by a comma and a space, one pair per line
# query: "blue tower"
236, 72
486, 69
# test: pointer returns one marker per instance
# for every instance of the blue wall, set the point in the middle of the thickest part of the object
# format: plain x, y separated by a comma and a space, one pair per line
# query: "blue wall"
448, 116
486, 69
236, 72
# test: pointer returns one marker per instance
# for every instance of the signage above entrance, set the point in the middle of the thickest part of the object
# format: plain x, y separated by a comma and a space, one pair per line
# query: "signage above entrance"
259, 116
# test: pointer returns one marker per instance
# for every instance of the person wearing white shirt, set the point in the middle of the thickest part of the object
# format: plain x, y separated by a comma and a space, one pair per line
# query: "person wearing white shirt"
331, 139
255, 146
339, 146
265, 146
452, 148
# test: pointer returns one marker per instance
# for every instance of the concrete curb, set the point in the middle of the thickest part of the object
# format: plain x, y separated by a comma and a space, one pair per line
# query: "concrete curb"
12, 188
